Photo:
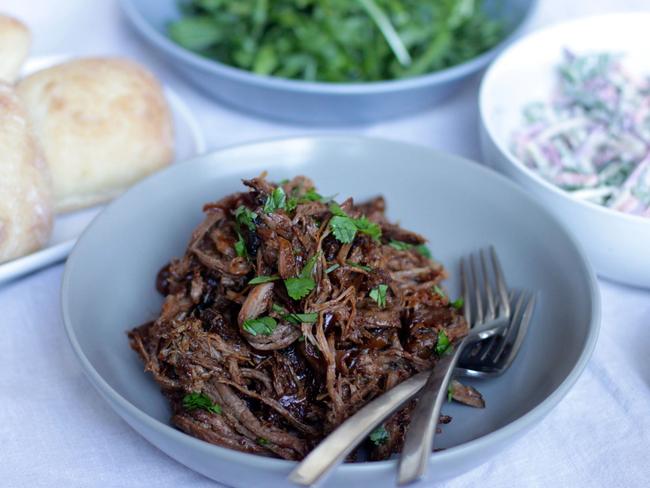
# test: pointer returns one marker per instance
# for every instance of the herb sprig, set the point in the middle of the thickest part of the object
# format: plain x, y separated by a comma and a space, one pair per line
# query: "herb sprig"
378, 294
199, 400
261, 325
345, 228
300, 286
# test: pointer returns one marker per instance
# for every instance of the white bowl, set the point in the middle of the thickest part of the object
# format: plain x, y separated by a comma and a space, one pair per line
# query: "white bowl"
617, 244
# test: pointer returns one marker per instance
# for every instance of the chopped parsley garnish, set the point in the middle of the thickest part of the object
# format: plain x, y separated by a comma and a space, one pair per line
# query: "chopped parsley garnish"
312, 195
345, 228
262, 441
400, 246
299, 287
275, 201
367, 227
379, 436
199, 400
359, 266
443, 344
424, 250
245, 217
438, 291
458, 303
335, 266
405, 246
450, 392
263, 279
379, 295
240, 246
292, 203
260, 325
296, 318
336, 209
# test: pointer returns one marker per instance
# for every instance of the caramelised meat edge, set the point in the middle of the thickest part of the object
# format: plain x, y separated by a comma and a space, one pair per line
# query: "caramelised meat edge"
288, 313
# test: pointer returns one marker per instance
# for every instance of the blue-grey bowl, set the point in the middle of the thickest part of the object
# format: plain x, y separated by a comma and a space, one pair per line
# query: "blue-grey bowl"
109, 287
314, 102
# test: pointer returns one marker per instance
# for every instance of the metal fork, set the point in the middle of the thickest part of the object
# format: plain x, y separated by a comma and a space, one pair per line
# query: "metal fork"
492, 357
481, 305
333, 450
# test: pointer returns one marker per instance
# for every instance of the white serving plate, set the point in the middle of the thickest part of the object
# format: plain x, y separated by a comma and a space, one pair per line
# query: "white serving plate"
617, 244
189, 141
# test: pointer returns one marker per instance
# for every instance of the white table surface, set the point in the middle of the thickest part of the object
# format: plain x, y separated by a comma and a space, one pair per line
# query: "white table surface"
55, 430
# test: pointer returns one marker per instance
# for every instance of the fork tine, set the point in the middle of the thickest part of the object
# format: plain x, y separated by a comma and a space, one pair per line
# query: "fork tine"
467, 302
489, 344
489, 295
501, 284
477, 292
524, 323
513, 328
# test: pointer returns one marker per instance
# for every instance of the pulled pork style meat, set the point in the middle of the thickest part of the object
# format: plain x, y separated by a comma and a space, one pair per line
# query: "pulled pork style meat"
274, 372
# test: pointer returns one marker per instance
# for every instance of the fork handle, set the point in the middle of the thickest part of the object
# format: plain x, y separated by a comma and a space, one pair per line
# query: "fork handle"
333, 449
418, 444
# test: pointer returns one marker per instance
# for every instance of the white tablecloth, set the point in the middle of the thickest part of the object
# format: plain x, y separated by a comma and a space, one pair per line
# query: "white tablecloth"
55, 430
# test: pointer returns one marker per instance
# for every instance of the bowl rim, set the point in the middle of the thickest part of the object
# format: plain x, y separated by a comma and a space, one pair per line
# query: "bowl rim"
489, 79
509, 430
334, 88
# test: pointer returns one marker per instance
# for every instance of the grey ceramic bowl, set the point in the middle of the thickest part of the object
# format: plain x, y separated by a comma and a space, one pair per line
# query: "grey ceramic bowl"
108, 287
313, 102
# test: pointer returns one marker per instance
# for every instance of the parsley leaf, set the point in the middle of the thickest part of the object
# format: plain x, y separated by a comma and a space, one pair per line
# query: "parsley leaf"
443, 344
400, 245
405, 246
275, 201
240, 246
360, 266
292, 203
458, 303
312, 195
245, 217
379, 435
262, 441
199, 400
367, 227
299, 287
424, 250
336, 209
296, 318
450, 392
309, 266
260, 325
344, 228
438, 291
335, 266
379, 295
263, 279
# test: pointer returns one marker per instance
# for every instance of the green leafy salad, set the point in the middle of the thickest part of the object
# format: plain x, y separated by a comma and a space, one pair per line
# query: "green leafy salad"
337, 40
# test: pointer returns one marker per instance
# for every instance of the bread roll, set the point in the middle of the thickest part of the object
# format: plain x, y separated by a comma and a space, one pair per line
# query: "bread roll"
25, 193
14, 47
103, 124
